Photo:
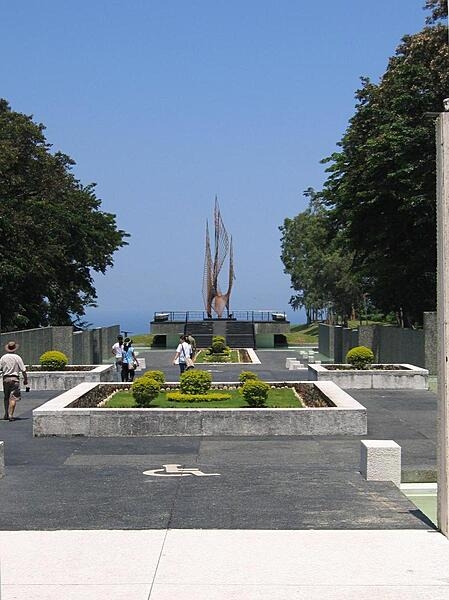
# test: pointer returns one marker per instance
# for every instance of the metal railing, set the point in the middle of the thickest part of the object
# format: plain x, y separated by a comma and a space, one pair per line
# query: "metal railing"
182, 316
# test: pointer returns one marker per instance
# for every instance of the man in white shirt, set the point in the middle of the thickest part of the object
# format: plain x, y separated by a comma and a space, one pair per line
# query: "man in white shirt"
117, 353
183, 351
11, 365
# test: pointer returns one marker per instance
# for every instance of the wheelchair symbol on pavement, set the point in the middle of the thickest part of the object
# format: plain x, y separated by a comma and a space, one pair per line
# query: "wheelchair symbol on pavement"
178, 471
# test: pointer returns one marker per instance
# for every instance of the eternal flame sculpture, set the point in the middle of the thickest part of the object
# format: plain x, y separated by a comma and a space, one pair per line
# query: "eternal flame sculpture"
214, 299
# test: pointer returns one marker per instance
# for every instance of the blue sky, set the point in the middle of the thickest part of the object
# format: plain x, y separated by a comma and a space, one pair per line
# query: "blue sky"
166, 104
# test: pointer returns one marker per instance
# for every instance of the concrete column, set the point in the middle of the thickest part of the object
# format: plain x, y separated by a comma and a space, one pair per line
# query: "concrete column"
442, 142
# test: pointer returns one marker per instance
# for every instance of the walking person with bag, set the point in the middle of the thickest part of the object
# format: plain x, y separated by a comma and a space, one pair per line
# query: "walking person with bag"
117, 352
11, 365
182, 355
129, 361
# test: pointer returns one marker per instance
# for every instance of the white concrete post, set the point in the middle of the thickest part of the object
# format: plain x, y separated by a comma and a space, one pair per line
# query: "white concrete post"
442, 142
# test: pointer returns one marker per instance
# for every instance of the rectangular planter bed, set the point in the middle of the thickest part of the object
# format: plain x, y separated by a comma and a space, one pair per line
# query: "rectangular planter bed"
75, 412
404, 377
65, 380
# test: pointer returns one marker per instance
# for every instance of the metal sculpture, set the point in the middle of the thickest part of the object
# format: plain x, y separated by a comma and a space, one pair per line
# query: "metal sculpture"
214, 299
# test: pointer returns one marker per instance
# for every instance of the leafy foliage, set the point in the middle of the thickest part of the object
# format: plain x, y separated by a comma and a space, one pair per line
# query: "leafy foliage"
376, 213
195, 382
247, 376
53, 360
52, 231
318, 261
157, 375
209, 397
360, 357
255, 392
144, 390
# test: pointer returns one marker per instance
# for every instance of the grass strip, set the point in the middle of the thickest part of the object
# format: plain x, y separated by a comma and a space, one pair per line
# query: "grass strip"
277, 398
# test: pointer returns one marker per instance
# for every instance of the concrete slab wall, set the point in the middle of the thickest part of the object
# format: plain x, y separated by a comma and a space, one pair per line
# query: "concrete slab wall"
34, 342
389, 344
324, 340
81, 347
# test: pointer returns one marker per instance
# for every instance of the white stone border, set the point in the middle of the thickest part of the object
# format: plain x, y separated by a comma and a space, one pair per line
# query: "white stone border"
65, 380
346, 417
408, 377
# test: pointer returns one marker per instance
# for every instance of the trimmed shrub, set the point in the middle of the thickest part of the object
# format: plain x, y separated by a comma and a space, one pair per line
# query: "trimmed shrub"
218, 338
360, 357
247, 375
255, 392
144, 390
210, 397
157, 375
218, 347
53, 360
195, 382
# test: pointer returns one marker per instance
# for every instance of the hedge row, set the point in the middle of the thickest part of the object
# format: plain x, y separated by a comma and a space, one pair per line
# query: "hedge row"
210, 397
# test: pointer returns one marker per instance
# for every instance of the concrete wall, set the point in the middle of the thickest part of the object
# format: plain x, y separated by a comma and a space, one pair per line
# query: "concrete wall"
393, 344
81, 347
34, 342
389, 344
431, 342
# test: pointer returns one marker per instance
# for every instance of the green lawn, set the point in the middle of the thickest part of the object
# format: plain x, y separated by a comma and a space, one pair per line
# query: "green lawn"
277, 398
142, 339
303, 335
203, 357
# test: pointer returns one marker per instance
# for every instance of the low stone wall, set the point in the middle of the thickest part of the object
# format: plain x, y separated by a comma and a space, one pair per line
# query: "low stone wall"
344, 416
65, 380
407, 377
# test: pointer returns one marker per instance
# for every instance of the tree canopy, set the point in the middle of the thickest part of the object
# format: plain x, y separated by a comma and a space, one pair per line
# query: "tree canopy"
53, 234
380, 192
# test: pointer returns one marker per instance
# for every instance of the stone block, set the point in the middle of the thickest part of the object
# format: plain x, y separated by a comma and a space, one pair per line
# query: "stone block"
288, 362
380, 460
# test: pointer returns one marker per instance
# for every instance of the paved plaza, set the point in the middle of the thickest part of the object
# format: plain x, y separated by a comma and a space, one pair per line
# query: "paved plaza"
277, 517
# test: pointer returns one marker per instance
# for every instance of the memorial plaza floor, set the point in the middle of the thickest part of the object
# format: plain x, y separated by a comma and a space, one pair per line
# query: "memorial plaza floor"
276, 517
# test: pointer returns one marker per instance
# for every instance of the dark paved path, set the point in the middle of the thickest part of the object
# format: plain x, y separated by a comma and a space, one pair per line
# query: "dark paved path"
264, 483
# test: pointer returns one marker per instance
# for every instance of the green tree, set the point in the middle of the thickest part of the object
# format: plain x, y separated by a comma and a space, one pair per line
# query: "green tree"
319, 265
53, 234
381, 184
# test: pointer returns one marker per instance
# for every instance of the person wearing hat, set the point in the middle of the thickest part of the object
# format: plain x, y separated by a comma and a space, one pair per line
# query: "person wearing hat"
11, 365
129, 360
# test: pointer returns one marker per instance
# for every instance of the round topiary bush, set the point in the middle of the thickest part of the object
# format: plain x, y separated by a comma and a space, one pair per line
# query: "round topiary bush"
255, 392
218, 347
157, 375
195, 382
144, 390
247, 375
53, 360
360, 357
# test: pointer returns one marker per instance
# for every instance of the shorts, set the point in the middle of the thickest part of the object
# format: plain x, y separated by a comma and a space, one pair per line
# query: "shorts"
11, 388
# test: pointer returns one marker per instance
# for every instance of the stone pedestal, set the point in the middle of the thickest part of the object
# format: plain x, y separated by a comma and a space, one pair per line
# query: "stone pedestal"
380, 460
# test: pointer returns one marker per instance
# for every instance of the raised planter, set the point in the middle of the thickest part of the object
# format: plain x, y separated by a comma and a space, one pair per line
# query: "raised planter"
65, 380
401, 377
60, 417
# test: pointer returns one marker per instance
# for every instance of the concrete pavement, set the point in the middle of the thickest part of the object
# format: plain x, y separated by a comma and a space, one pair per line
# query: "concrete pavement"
286, 518
225, 565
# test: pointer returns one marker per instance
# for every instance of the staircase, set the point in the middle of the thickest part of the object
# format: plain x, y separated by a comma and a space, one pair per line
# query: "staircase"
240, 334
202, 331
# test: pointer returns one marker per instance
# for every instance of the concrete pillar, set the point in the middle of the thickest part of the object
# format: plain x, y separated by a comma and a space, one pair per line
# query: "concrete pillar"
442, 142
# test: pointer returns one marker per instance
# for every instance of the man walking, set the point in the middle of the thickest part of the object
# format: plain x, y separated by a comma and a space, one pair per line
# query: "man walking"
117, 353
11, 365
